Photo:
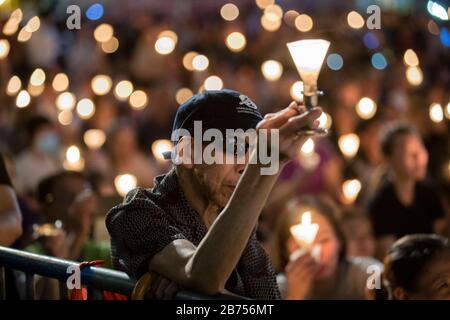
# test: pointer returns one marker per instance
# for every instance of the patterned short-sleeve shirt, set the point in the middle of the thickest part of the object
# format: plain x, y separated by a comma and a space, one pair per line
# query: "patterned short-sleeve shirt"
150, 219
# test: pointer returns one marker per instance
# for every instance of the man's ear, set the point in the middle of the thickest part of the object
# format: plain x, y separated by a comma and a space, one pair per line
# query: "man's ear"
400, 294
185, 152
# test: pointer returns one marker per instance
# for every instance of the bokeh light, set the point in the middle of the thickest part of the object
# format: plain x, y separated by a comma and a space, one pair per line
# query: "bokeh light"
351, 189
33, 24
95, 12
308, 146
325, 120
37, 77
138, 99
366, 108
65, 117
262, 4
101, 84
124, 183
349, 144
111, 45
23, 99
187, 60
229, 12
183, 95
159, 147
85, 108
35, 91
355, 20
103, 32
335, 61
236, 41
24, 35
289, 17
65, 101
272, 70
200, 62
414, 76
304, 23
4, 48
371, 41
410, 58
60, 82
94, 138
123, 90
13, 86
436, 112
296, 91
270, 25
164, 45
379, 61
213, 83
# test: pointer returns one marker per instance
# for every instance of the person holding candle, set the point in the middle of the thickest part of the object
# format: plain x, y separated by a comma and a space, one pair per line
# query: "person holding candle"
317, 267
405, 204
196, 228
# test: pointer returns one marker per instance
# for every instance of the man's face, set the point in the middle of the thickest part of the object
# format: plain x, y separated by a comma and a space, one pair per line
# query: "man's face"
218, 181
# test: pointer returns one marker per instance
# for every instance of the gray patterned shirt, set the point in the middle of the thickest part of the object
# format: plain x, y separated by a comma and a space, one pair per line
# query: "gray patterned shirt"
150, 219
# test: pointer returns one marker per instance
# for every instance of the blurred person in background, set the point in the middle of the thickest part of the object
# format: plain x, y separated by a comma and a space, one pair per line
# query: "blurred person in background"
68, 208
358, 233
40, 158
369, 164
126, 157
10, 216
10, 224
404, 204
66, 226
417, 267
330, 274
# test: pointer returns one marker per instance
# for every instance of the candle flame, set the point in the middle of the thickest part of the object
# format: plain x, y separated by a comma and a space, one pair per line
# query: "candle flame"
305, 232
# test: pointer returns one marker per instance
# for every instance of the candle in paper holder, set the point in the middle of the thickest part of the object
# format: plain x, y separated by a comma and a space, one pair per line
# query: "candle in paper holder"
308, 56
305, 233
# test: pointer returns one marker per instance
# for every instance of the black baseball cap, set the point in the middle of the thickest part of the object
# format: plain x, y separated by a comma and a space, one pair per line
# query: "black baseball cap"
217, 109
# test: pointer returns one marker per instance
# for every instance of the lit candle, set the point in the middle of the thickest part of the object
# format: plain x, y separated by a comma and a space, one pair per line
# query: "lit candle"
305, 232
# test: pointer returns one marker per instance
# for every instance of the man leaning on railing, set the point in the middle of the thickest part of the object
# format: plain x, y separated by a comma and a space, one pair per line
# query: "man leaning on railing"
196, 227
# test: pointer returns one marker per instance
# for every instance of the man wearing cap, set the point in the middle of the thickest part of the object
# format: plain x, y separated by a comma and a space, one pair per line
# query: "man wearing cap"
197, 226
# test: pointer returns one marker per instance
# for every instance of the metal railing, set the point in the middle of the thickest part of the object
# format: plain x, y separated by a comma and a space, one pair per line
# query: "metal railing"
96, 278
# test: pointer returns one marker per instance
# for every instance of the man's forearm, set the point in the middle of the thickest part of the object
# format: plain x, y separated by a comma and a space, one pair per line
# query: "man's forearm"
219, 252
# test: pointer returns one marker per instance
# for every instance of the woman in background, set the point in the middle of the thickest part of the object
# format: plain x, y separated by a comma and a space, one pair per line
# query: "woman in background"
328, 275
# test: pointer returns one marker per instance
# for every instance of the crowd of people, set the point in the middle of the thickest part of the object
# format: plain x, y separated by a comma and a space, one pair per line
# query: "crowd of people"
386, 206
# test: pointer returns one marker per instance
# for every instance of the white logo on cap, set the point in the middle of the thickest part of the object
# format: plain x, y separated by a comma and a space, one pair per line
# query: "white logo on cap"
246, 100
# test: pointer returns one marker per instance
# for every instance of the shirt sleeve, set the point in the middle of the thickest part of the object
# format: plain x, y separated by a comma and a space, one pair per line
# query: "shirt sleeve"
257, 272
139, 229
4, 178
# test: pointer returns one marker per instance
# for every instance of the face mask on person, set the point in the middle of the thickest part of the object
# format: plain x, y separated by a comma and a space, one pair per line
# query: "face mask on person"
48, 143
